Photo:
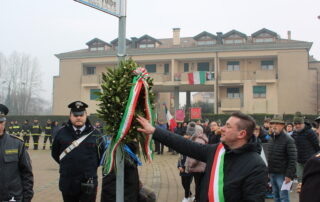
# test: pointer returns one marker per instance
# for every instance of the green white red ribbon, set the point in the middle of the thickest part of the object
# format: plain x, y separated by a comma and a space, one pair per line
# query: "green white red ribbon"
215, 193
138, 81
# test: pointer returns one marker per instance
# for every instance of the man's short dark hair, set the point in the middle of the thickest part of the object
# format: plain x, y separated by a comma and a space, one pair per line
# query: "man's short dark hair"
246, 123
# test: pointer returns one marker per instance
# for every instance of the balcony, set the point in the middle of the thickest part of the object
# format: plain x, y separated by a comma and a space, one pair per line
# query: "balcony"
184, 79
231, 77
230, 104
90, 80
266, 76
160, 77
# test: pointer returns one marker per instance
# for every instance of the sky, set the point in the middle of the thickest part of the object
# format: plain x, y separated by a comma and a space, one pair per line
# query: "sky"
43, 28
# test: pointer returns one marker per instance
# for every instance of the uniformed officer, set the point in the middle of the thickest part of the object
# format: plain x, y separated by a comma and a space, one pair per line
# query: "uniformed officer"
10, 128
75, 149
47, 134
16, 129
26, 132
36, 132
16, 178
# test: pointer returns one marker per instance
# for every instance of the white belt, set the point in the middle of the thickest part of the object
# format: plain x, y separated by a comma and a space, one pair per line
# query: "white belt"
73, 145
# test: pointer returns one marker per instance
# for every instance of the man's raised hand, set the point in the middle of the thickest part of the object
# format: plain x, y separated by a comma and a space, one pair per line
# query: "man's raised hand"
147, 128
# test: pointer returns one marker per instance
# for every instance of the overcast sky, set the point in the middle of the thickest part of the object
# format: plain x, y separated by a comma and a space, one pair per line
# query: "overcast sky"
42, 28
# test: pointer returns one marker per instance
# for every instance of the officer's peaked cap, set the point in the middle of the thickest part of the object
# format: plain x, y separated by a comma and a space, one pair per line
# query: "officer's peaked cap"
3, 112
78, 107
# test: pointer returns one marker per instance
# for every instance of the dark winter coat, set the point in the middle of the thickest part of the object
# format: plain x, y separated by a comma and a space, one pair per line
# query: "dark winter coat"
307, 143
213, 138
131, 181
311, 180
245, 173
81, 163
282, 155
16, 178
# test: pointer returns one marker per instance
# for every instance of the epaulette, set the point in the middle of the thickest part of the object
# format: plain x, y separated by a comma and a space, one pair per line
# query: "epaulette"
19, 138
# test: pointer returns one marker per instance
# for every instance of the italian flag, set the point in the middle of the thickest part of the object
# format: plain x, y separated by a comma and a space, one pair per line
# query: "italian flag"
197, 77
216, 179
171, 122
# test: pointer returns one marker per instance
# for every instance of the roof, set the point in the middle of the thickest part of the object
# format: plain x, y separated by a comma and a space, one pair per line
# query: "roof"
264, 30
204, 33
115, 41
190, 49
226, 35
146, 36
97, 40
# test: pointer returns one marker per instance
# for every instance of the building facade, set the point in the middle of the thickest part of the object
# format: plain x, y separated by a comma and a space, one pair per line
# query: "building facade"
260, 73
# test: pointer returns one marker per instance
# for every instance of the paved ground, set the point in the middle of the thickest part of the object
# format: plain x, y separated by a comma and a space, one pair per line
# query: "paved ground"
162, 176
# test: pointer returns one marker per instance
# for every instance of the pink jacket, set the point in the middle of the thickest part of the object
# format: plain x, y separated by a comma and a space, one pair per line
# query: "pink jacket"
193, 165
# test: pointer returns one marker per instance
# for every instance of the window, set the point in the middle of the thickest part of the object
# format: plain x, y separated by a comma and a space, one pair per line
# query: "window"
264, 40
233, 66
203, 66
206, 43
186, 67
146, 45
259, 91
93, 95
233, 41
267, 65
166, 68
96, 48
89, 70
152, 68
233, 93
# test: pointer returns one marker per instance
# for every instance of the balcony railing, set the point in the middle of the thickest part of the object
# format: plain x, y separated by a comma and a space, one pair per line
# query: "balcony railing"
230, 104
160, 77
210, 76
265, 76
90, 80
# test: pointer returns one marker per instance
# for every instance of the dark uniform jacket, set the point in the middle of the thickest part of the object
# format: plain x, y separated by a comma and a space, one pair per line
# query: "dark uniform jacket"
282, 155
245, 173
81, 163
311, 180
16, 178
16, 129
25, 128
307, 143
48, 129
36, 129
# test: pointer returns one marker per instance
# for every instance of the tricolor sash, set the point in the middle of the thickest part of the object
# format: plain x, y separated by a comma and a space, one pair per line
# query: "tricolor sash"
216, 179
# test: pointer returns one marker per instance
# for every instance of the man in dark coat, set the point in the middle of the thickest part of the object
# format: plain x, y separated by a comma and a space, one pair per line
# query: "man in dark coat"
25, 130
244, 173
282, 156
78, 159
15, 166
311, 180
307, 143
131, 178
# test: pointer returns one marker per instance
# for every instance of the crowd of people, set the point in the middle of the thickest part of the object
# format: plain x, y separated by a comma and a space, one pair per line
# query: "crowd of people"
237, 161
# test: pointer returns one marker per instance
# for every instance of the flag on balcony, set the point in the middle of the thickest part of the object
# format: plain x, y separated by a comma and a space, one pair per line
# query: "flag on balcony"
171, 122
197, 77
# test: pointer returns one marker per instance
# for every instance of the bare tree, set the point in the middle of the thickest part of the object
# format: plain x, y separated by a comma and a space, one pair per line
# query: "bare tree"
21, 82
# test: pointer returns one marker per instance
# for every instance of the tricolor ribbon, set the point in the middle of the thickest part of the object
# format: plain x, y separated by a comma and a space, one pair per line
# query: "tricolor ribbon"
138, 81
215, 193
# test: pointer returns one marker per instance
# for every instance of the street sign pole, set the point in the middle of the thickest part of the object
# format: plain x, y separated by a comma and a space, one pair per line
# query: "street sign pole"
121, 56
116, 8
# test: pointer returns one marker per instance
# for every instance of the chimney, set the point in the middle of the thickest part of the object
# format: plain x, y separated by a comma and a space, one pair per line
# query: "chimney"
134, 42
219, 37
289, 35
176, 36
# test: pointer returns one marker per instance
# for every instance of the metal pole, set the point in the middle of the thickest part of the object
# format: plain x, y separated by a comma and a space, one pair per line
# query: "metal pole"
121, 56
